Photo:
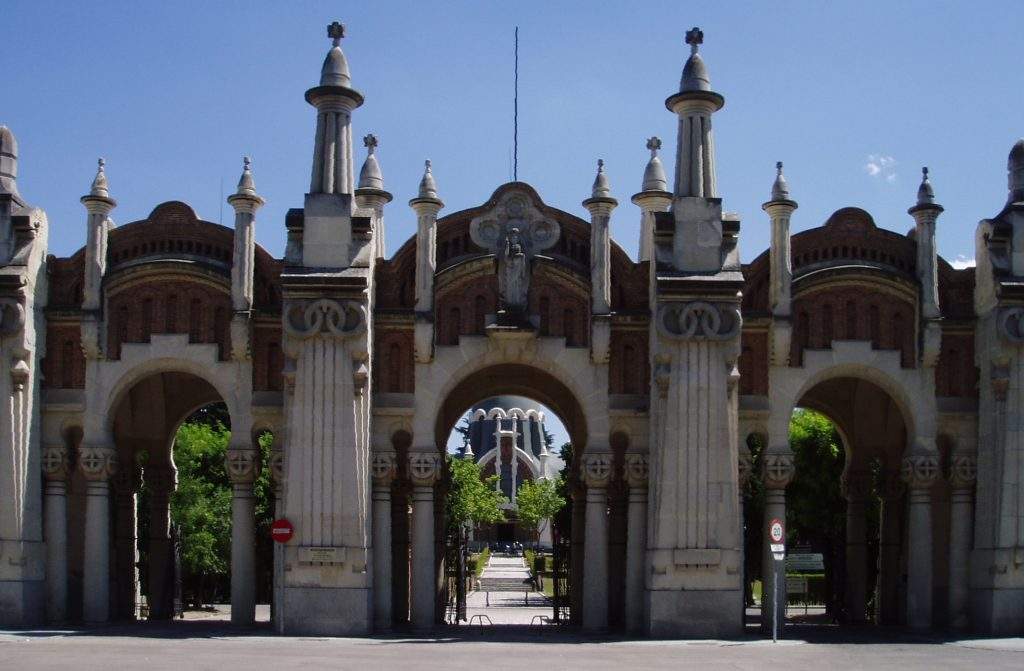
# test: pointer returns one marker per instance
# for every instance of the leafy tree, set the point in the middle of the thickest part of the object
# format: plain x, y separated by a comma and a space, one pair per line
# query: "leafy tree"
472, 498
537, 501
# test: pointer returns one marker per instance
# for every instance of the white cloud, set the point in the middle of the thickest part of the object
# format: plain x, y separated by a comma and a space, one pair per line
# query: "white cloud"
961, 262
881, 166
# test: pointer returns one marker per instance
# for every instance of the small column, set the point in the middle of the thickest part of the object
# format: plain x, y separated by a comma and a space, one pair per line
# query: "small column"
597, 469
887, 593
744, 470
600, 205
636, 539
98, 204
963, 473
55, 520
919, 472
242, 465
653, 197
246, 202
780, 208
925, 213
426, 205
855, 488
777, 473
127, 590
276, 463
383, 471
370, 194
424, 469
98, 464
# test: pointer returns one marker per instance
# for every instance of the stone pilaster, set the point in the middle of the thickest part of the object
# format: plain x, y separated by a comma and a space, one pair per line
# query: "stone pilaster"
636, 473
856, 487
382, 468
891, 491
424, 471
55, 527
963, 475
242, 465
98, 464
161, 482
919, 472
597, 471
246, 202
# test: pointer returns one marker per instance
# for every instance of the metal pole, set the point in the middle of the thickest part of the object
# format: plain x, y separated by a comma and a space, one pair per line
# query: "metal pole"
775, 606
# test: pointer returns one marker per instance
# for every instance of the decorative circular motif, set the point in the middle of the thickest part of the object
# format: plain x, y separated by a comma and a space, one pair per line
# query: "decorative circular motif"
341, 319
698, 321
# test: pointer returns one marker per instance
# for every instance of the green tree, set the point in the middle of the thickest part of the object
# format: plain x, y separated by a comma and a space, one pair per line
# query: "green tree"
537, 501
472, 498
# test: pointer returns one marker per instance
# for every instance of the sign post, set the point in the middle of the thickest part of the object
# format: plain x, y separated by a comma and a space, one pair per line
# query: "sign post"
777, 537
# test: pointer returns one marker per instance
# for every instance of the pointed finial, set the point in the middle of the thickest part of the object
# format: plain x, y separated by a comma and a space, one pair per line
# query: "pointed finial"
780, 188
335, 69
246, 185
695, 38
99, 183
370, 176
654, 173
601, 188
428, 188
336, 31
925, 193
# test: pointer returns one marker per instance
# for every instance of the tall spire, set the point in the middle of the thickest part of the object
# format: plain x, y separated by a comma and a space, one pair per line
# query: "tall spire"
8, 162
246, 188
428, 188
334, 99
925, 193
780, 188
694, 104
601, 188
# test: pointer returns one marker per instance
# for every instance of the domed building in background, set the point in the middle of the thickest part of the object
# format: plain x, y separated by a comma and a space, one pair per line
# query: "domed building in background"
516, 424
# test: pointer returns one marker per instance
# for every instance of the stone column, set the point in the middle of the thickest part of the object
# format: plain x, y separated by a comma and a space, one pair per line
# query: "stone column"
597, 470
744, 469
887, 595
98, 464
636, 539
919, 472
963, 474
777, 473
242, 466
160, 481
126, 546
55, 521
855, 488
277, 477
383, 470
424, 469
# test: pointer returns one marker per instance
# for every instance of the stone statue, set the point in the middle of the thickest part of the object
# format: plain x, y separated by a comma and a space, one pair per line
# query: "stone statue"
513, 273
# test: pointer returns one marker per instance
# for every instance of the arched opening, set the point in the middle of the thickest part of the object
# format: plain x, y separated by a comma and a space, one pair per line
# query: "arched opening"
172, 501
846, 519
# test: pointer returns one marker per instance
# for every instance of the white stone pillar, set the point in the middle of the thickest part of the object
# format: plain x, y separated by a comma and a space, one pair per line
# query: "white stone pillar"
98, 464
597, 470
246, 202
383, 471
963, 474
855, 486
636, 540
99, 205
424, 469
654, 197
55, 525
777, 473
426, 206
925, 213
920, 472
600, 205
242, 465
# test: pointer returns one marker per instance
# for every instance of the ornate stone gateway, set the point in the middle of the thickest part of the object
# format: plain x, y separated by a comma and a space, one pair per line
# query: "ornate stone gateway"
663, 370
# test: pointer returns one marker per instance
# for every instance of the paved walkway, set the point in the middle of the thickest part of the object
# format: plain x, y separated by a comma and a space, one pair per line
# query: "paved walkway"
519, 607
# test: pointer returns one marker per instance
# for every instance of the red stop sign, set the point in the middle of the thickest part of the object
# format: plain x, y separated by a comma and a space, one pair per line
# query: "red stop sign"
282, 530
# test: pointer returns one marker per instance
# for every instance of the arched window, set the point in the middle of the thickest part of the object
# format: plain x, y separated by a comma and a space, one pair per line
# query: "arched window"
195, 321
147, 319
851, 320
171, 314
545, 315
569, 327
827, 330
394, 368
454, 326
274, 366
67, 365
874, 326
629, 370
220, 327
479, 314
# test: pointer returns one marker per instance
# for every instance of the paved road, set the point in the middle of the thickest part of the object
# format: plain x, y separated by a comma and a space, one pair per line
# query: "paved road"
197, 646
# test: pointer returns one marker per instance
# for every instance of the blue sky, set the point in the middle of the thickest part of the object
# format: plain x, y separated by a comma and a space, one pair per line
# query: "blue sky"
173, 94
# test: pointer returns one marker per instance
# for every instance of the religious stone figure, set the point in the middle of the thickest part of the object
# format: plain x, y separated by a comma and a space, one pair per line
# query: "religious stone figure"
513, 273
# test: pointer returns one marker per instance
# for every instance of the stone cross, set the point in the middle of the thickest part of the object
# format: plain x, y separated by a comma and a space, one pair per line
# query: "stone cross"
654, 144
370, 142
336, 31
694, 37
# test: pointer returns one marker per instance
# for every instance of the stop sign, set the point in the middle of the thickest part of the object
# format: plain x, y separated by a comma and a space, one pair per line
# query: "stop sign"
282, 530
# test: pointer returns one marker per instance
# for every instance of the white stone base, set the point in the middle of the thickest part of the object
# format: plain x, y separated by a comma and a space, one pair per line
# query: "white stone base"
325, 611
22, 602
694, 613
998, 612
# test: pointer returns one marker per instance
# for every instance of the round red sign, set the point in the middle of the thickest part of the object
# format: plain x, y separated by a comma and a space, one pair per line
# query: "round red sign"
776, 530
282, 530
